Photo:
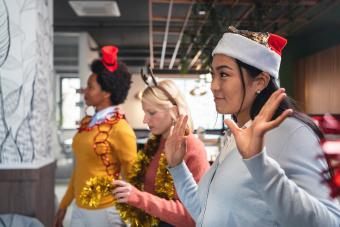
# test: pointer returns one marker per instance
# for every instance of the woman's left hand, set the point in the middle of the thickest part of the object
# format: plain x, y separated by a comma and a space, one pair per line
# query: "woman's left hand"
250, 140
122, 191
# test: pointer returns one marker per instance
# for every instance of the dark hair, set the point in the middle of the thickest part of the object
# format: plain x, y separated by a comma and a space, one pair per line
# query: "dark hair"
261, 99
117, 83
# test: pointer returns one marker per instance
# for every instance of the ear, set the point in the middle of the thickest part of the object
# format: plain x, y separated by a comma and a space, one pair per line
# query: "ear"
261, 81
107, 94
175, 110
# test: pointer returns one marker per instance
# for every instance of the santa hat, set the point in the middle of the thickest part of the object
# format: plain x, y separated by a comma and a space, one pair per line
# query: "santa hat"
110, 57
260, 50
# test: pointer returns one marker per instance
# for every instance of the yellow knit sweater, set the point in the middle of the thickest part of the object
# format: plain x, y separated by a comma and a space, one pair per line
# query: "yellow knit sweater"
122, 141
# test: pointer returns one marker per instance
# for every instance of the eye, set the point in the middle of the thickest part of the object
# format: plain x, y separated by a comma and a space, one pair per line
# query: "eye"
152, 113
223, 74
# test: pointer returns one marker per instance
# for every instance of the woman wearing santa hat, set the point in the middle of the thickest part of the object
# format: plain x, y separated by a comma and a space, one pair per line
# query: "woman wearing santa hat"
105, 145
267, 173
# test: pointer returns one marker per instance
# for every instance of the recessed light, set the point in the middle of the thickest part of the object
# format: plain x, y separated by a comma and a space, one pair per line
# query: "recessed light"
202, 12
95, 8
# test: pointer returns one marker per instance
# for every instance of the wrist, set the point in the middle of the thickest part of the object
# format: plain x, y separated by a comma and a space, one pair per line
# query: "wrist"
174, 165
133, 197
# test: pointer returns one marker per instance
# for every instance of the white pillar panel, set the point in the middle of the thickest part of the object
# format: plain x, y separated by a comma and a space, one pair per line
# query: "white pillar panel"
26, 75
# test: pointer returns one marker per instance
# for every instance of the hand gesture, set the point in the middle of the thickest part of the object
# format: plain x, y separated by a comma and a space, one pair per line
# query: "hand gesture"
175, 145
250, 141
122, 191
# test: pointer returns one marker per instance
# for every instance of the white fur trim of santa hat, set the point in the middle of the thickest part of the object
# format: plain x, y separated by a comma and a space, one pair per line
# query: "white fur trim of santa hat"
249, 52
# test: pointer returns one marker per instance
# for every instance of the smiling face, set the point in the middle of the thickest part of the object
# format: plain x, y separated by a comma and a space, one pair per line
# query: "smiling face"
227, 87
158, 120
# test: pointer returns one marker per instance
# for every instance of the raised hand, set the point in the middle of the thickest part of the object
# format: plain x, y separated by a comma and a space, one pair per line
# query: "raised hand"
175, 145
250, 141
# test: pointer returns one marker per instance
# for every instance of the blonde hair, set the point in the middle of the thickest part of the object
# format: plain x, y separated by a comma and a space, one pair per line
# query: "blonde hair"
156, 96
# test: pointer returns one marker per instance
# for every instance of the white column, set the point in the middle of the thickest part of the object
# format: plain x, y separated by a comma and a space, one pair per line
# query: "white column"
26, 76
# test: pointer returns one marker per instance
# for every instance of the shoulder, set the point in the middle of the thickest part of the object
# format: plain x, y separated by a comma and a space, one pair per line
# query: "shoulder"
195, 147
292, 136
122, 127
84, 122
291, 127
194, 142
196, 157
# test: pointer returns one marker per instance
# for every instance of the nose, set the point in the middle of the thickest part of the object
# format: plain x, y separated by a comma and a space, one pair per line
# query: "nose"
80, 90
145, 119
214, 86
84, 90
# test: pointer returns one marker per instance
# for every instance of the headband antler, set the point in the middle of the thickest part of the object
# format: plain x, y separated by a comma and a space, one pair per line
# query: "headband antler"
155, 84
110, 57
145, 77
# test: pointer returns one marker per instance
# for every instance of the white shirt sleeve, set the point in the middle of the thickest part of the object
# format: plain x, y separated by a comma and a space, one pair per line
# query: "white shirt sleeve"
187, 189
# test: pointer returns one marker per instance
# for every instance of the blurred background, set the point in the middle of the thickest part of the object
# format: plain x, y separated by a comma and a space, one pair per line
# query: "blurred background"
46, 47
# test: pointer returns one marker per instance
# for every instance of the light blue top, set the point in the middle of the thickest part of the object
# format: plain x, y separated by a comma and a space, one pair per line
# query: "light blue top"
281, 186
101, 115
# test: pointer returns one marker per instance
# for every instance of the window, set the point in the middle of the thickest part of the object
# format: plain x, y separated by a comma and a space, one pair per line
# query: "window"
70, 102
202, 108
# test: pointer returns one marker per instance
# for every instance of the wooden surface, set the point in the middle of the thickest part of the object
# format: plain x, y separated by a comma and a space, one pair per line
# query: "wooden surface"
28, 192
317, 82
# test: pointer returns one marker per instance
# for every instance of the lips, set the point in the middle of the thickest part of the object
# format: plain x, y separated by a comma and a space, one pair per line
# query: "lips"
218, 98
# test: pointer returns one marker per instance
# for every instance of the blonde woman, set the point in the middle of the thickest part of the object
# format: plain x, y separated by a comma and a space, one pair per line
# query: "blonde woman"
150, 198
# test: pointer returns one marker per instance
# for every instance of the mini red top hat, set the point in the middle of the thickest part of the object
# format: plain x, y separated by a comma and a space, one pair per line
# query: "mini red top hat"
110, 57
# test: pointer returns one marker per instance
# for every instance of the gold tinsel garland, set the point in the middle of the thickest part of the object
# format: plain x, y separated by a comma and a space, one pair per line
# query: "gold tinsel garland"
164, 187
96, 188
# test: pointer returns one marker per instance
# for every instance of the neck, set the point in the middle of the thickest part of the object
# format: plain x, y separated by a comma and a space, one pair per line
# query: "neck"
102, 106
242, 118
166, 134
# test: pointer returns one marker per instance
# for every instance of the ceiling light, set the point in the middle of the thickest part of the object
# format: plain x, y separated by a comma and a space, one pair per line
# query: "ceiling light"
198, 91
201, 12
95, 8
200, 88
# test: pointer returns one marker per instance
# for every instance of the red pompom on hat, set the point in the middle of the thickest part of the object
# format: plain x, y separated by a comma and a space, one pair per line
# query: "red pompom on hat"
276, 43
109, 58
258, 49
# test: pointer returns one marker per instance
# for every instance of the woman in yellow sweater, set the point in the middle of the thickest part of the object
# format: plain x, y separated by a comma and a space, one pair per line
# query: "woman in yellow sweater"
105, 144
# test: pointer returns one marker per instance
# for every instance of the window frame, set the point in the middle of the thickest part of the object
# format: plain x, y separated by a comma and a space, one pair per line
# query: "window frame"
173, 77
61, 78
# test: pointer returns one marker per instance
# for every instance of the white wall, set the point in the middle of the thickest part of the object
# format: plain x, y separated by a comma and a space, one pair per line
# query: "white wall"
86, 56
132, 106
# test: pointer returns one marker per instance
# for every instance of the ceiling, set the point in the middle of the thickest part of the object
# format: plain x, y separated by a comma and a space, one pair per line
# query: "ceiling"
193, 26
